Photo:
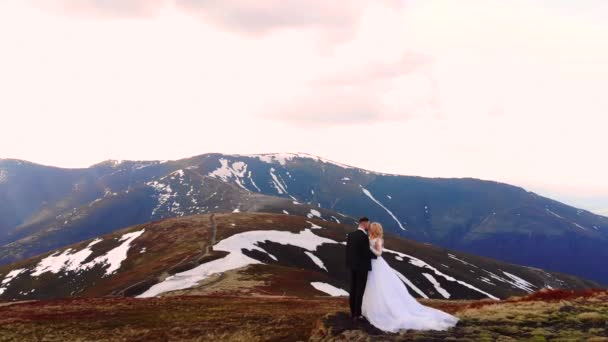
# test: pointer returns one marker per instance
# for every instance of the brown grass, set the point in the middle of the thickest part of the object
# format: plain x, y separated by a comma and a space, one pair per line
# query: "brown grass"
578, 317
558, 294
163, 319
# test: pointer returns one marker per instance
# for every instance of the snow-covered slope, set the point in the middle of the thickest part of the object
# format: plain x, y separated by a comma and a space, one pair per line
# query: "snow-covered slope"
255, 254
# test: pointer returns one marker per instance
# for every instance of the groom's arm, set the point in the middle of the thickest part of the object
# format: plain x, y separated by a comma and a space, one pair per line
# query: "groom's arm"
372, 255
348, 251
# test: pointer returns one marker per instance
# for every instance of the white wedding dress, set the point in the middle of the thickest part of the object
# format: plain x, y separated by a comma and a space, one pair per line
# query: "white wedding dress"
388, 305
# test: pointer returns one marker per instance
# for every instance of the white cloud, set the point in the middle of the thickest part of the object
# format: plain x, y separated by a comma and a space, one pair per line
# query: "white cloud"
335, 21
104, 8
250, 16
370, 93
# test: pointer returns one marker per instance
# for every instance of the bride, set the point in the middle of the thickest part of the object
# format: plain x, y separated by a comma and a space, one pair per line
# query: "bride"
386, 302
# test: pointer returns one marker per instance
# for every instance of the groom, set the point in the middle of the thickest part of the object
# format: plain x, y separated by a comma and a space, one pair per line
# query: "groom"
359, 262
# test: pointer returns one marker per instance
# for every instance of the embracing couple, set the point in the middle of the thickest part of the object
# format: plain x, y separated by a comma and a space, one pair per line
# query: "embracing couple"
376, 292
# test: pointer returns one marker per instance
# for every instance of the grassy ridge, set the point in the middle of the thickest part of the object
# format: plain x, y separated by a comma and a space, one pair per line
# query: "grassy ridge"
545, 316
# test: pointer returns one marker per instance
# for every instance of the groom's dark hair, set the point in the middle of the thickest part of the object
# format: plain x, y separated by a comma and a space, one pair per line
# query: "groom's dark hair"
363, 219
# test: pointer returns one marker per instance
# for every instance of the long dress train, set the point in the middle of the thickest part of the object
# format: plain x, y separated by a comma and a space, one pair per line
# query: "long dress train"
388, 305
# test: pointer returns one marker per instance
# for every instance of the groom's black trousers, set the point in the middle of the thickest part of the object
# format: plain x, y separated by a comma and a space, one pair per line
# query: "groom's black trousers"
358, 280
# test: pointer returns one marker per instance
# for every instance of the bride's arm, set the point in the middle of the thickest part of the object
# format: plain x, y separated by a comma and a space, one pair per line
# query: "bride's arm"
376, 247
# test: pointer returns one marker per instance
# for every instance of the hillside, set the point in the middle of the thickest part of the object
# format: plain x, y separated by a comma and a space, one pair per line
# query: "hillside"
45, 208
255, 255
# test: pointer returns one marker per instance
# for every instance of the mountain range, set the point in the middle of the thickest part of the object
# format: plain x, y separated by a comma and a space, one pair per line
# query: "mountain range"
44, 208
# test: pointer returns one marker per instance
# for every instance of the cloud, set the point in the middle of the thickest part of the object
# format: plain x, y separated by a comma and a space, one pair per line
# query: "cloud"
375, 92
254, 16
336, 20
105, 8
409, 63
333, 106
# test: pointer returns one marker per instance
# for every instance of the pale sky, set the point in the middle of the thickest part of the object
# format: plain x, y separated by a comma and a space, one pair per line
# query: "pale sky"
512, 91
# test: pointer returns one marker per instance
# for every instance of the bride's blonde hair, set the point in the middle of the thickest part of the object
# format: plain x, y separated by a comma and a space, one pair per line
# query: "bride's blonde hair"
375, 230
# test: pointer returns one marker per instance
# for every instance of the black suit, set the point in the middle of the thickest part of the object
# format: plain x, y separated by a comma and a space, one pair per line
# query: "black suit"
359, 261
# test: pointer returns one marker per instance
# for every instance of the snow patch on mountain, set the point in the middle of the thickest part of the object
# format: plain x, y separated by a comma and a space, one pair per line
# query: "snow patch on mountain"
108, 193
9, 277
410, 284
422, 264
519, 282
565, 219
226, 172
369, 194
252, 182
437, 286
512, 280
73, 261
235, 245
314, 213
281, 188
67, 261
164, 194
95, 201
316, 260
178, 173
140, 166
554, 213
191, 277
283, 182
116, 256
329, 289
3, 176
579, 226
283, 158
452, 256
486, 280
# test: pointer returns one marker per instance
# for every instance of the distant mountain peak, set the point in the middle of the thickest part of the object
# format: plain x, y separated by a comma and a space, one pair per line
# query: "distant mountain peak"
12, 161
115, 163
283, 157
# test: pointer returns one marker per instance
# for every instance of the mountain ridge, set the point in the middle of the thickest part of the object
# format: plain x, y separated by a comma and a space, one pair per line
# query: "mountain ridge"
116, 162
484, 217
